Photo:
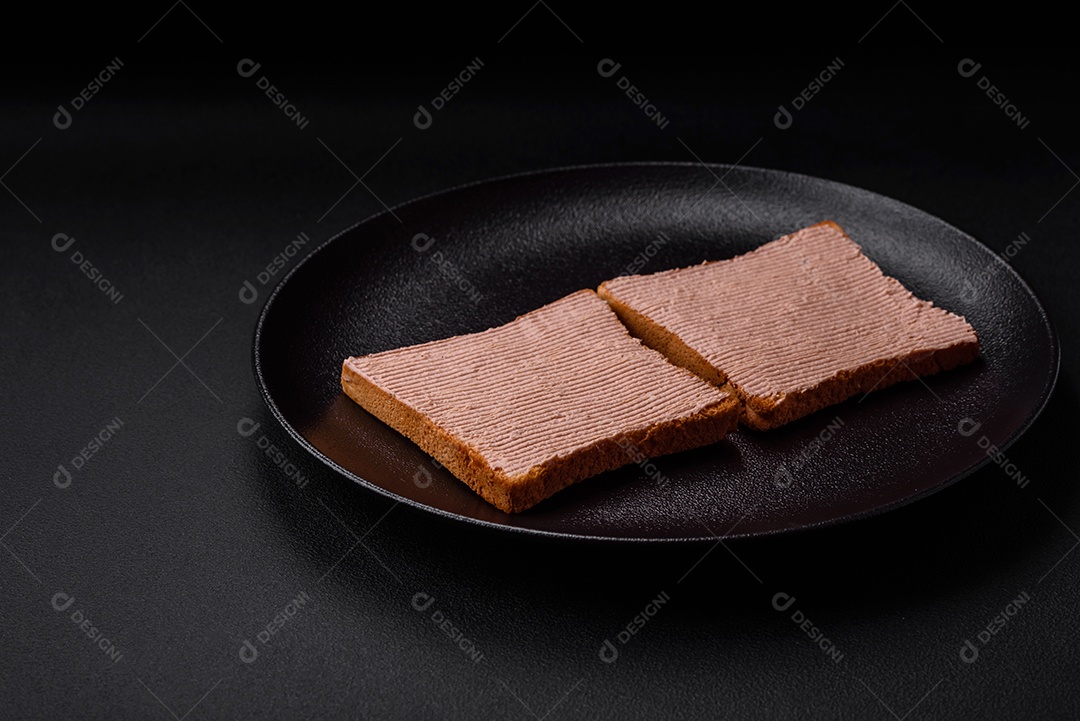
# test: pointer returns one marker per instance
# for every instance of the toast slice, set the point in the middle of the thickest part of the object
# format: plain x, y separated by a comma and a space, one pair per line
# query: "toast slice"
801, 323
559, 394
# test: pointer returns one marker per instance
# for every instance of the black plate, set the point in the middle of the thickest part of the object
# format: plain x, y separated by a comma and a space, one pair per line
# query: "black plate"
491, 251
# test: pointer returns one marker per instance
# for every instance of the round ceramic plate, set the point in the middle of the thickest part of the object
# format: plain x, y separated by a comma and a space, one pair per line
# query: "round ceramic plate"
478, 256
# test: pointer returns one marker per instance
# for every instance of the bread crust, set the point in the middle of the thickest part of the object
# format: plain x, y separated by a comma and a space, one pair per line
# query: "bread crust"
514, 494
769, 412
764, 413
662, 340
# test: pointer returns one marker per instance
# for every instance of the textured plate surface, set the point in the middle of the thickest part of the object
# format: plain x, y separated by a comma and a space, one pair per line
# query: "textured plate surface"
478, 256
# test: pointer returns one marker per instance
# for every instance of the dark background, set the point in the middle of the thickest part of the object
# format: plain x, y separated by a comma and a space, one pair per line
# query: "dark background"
180, 539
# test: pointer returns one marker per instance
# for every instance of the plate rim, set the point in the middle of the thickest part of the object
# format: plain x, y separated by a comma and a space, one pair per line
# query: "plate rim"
1023, 427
